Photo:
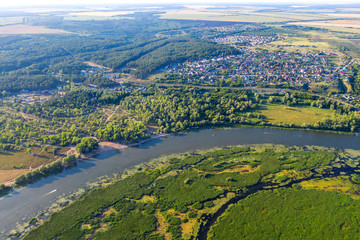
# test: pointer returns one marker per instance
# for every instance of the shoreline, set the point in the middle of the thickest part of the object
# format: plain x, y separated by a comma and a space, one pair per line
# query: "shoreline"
105, 182
106, 146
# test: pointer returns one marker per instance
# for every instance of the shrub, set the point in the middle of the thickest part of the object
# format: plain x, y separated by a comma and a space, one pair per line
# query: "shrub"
192, 214
198, 206
209, 204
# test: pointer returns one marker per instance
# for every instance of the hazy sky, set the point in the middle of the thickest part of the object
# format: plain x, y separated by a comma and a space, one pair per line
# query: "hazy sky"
6, 3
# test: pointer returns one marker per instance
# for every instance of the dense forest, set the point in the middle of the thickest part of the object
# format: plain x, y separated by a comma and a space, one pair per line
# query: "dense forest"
263, 216
177, 51
17, 82
355, 78
125, 43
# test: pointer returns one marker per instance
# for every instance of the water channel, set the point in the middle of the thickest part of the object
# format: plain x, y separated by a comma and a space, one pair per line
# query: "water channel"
23, 204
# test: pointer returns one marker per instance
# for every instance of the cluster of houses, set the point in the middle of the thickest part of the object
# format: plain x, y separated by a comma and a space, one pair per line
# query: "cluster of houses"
245, 40
346, 96
30, 97
236, 34
273, 67
95, 71
233, 28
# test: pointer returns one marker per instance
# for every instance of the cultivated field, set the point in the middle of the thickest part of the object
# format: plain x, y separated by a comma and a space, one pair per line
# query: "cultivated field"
238, 15
27, 29
103, 14
88, 16
331, 23
220, 16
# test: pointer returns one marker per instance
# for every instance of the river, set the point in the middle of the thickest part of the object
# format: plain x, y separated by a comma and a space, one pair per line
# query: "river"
23, 204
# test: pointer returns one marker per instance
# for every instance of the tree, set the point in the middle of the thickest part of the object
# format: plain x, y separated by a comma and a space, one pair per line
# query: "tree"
29, 151
86, 145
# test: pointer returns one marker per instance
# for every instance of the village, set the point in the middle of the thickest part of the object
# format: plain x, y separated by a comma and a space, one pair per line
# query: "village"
239, 35
210, 32
239, 40
258, 67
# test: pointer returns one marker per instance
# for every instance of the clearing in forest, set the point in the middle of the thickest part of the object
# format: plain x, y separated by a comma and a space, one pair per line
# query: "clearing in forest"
294, 115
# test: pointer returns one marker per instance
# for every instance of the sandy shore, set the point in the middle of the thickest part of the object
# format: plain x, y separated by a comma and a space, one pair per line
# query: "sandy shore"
108, 146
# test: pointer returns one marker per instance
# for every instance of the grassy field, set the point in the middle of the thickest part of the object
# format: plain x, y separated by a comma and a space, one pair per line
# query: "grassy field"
297, 115
301, 42
349, 46
9, 175
329, 38
27, 29
13, 164
338, 38
348, 86
21, 159
339, 184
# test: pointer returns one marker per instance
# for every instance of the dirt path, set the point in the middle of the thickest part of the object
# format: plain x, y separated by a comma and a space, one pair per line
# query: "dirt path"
30, 168
110, 116
343, 68
23, 115
92, 64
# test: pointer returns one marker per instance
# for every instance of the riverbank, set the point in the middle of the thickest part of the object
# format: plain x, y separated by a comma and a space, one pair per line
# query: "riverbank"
106, 146
21, 206
175, 183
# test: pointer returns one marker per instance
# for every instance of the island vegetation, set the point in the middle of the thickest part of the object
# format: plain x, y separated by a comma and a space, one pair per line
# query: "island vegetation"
289, 213
181, 196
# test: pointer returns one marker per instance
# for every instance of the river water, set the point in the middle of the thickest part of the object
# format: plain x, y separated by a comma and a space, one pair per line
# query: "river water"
23, 204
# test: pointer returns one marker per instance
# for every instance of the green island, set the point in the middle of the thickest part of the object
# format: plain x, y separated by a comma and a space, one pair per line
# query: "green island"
255, 191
